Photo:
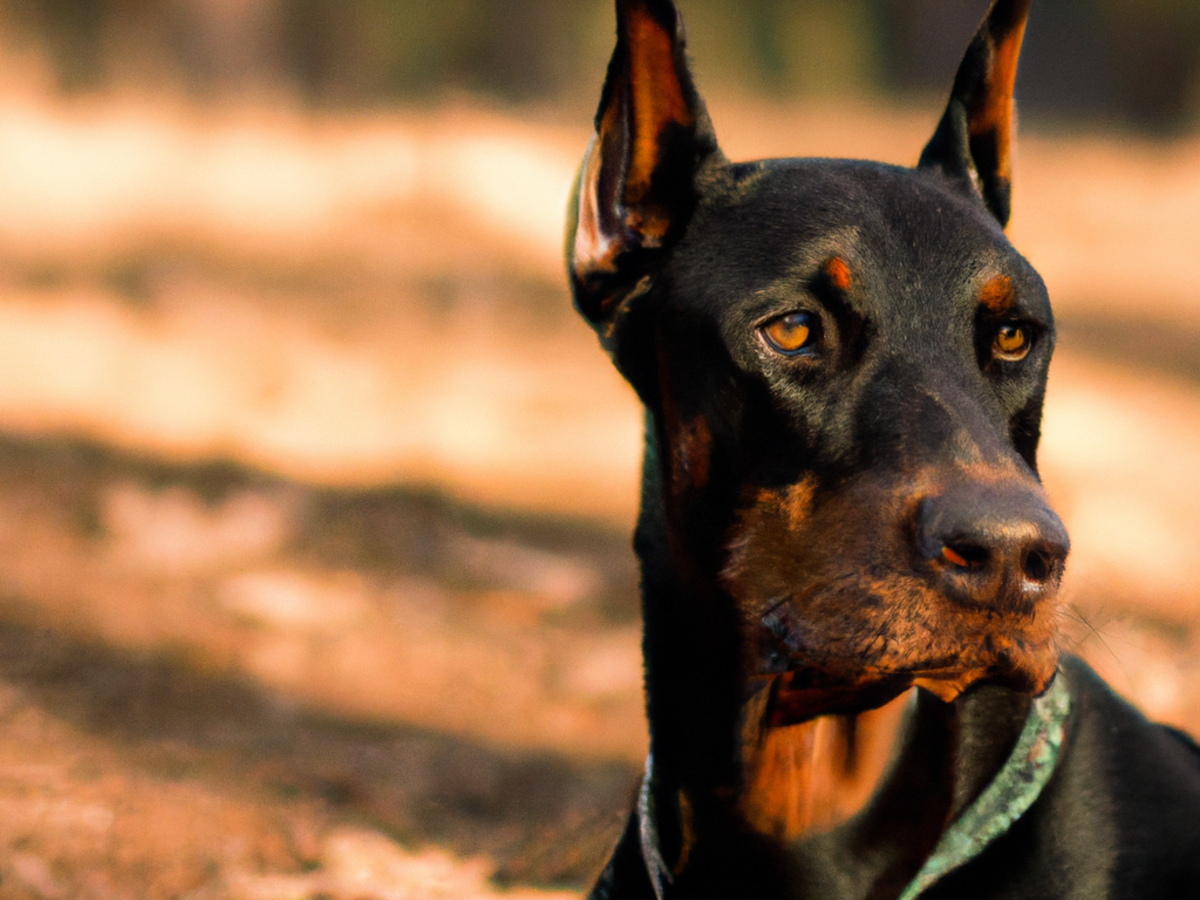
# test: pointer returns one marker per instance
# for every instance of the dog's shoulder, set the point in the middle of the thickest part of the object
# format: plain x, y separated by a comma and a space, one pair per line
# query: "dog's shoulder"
1149, 772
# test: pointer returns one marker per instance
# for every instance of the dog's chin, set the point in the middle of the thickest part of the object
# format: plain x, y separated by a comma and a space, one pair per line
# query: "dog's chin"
805, 692
1031, 676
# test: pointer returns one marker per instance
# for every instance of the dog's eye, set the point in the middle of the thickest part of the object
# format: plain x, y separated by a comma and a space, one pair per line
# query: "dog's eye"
792, 335
1011, 343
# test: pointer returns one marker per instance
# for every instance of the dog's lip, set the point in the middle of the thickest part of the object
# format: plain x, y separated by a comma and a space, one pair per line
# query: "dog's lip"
803, 690
790, 704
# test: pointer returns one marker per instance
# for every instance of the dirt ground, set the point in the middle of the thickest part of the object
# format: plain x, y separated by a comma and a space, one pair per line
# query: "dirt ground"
314, 495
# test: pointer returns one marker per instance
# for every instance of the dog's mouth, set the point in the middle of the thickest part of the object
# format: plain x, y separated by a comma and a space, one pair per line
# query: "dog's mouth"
812, 671
805, 692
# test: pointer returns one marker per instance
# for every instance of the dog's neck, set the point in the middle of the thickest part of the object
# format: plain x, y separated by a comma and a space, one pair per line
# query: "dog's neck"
813, 776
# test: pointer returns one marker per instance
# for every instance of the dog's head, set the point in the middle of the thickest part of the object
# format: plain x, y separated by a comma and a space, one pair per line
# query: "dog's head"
844, 363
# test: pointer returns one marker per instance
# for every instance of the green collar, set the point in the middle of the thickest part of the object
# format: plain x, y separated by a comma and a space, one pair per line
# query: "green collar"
1006, 798
1014, 789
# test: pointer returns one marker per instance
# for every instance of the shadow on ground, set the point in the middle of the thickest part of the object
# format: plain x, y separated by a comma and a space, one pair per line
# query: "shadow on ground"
165, 715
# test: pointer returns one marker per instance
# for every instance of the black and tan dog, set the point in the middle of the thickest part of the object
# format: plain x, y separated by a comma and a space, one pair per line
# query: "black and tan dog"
843, 366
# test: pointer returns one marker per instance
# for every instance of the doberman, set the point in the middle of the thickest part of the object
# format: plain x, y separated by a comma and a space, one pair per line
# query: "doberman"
850, 569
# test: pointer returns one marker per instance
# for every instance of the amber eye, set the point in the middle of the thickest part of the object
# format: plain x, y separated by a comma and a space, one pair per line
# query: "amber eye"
792, 335
1012, 343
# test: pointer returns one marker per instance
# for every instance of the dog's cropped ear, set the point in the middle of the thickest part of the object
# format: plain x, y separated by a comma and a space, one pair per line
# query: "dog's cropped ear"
636, 189
973, 143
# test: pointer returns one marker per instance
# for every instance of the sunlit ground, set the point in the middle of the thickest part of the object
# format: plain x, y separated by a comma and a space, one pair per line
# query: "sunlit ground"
314, 494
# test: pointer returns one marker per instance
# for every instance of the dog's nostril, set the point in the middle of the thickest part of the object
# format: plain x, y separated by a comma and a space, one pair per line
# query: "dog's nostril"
965, 555
1039, 564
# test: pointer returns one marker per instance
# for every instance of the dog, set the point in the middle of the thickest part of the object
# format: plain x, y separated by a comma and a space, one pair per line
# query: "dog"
850, 570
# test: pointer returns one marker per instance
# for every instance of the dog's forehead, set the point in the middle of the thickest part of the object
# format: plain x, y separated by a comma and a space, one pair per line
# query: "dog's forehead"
901, 231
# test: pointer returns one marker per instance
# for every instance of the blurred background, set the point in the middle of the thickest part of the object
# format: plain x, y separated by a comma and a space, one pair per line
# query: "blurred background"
315, 496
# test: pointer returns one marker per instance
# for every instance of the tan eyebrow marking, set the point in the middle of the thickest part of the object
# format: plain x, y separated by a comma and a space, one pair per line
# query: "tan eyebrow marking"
837, 270
998, 295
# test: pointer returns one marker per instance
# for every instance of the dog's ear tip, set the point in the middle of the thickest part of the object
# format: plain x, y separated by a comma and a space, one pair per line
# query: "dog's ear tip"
973, 142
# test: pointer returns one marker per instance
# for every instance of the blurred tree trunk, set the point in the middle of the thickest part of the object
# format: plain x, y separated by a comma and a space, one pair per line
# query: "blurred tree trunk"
229, 45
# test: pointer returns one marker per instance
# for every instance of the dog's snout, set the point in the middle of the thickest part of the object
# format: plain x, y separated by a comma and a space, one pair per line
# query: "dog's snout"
998, 546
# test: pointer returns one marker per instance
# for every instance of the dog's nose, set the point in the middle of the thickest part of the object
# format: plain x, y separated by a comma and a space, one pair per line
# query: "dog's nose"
997, 546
